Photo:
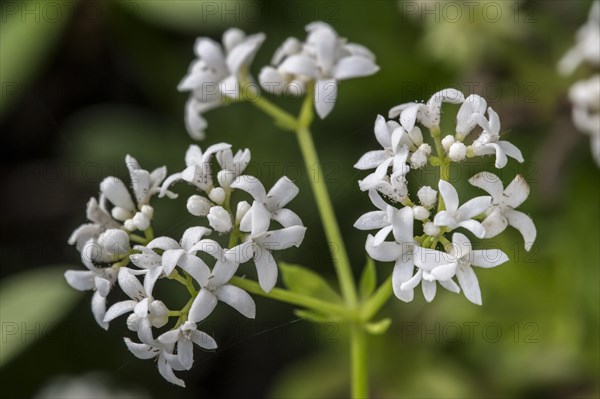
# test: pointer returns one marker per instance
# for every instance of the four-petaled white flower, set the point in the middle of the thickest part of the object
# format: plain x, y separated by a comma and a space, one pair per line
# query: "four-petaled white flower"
466, 118
184, 337
217, 73
458, 261
166, 360
454, 216
428, 114
504, 202
489, 142
387, 219
324, 58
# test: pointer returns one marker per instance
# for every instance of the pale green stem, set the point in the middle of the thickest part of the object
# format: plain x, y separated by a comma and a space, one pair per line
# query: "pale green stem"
358, 350
283, 119
377, 300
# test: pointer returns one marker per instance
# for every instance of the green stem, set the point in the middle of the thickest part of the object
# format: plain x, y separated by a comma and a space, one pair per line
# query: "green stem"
377, 300
282, 118
290, 297
358, 350
137, 239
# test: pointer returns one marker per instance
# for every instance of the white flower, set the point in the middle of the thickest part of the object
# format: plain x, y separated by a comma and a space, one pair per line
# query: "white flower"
400, 251
216, 288
217, 72
428, 114
387, 218
98, 279
585, 96
101, 221
466, 118
282, 192
455, 216
324, 58
147, 312
232, 166
504, 201
198, 169
489, 142
587, 46
442, 266
185, 336
166, 360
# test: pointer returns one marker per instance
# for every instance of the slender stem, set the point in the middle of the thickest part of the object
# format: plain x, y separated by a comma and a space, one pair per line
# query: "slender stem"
332, 230
358, 350
290, 297
137, 239
282, 118
377, 300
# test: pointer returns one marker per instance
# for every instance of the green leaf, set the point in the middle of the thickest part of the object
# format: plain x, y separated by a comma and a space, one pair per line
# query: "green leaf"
29, 31
368, 280
315, 317
303, 281
379, 327
31, 304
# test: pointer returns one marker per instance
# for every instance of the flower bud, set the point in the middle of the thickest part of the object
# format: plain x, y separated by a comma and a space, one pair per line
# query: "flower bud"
418, 159
427, 196
225, 178
420, 212
217, 195
115, 190
159, 314
120, 213
148, 211
447, 142
457, 151
198, 205
141, 221
242, 208
431, 229
114, 241
219, 219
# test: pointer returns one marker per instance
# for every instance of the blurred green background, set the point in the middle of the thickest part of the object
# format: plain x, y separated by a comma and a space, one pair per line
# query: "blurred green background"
84, 83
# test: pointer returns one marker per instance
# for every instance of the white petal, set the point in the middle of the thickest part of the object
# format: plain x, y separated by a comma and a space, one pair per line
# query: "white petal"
450, 285
377, 200
325, 96
238, 299
185, 353
403, 272
281, 194
384, 252
203, 305
524, 224
222, 272
382, 235
474, 207
241, 253
488, 258
151, 277
444, 218
469, 284
428, 259
372, 220
494, 224
382, 133
408, 117
210, 52
474, 227
283, 238
261, 219
242, 54
170, 259
102, 285
449, 195
192, 236
489, 182
130, 284
266, 267
444, 272
299, 65
141, 351
354, 67
163, 243
251, 185
461, 246
169, 337
167, 372
196, 268
117, 193
429, 289
517, 192
286, 218
82, 280
203, 340
371, 160
118, 309
402, 222
99, 309
511, 150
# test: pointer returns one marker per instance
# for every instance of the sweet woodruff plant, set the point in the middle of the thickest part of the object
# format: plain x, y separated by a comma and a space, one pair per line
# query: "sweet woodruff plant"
240, 223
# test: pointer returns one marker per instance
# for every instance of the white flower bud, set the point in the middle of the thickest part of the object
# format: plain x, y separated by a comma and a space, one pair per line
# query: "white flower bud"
457, 152
416, 136
431, 229
219, 219
141, 221
217, 195
426, 148
198, 205
158, 313
148, 211
226, 177
132, 322
242, 208
114, 241
120, 214
447, 142
418, 159
129, 225
115, 190
420, 212
427, 196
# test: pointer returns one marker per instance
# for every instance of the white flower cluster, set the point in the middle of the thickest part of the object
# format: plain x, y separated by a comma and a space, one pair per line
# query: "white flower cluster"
484, 216
221, 73
106, 250
585, 94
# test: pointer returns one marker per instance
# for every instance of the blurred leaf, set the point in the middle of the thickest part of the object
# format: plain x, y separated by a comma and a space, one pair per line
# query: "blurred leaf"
368, 280
194, 15
31, 303
304, 281
28, 34
315, 317
379, 327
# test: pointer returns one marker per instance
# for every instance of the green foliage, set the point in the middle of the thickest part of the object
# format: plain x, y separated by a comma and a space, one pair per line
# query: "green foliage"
368, 279
304, 281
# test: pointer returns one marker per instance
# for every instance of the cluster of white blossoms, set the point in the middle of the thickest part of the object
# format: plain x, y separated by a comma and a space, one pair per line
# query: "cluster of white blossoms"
417, 258
204, 266
221, 74
585, 94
